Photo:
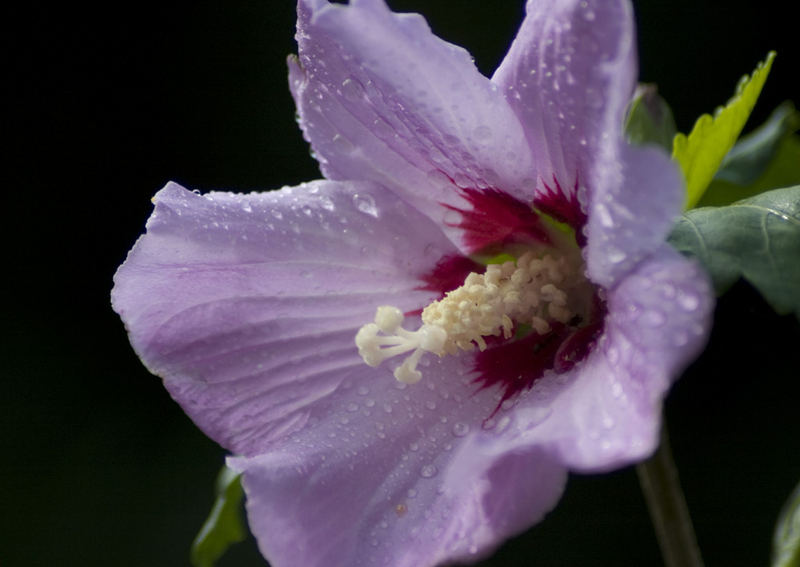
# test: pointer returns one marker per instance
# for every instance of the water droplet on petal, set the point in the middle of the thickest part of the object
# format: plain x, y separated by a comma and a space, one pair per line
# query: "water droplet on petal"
604, 215
615, 255
342, 144
352, 90
382, 129
366, 204
460, 429
688, 301
653, 318
462, 180
327, 203
503, 424
537, 415
428, 471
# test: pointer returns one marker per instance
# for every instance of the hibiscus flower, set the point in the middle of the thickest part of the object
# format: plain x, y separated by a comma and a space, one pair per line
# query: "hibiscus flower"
408, 356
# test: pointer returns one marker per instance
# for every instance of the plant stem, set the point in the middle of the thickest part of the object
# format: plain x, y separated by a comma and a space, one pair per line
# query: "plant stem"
658, 478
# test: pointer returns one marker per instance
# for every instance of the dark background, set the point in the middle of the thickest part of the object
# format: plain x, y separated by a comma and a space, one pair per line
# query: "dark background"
99, 467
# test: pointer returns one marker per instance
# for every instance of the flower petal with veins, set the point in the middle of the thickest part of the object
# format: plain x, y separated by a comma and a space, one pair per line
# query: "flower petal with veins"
248, 305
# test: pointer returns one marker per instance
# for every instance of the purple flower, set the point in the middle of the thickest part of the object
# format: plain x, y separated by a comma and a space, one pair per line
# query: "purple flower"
449, 423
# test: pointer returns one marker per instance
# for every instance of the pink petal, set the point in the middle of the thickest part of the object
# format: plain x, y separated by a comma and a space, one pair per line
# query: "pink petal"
247, 305
606, 412
407, 476
381, 98
637, 197
569, 75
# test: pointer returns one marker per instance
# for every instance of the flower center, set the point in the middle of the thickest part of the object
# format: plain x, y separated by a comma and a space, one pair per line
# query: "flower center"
508, 300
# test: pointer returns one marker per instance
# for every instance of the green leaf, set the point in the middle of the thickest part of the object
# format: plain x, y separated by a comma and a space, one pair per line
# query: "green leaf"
786, 540
752, 154
649, 119
782, 171
756, 238
701, 152
224, 525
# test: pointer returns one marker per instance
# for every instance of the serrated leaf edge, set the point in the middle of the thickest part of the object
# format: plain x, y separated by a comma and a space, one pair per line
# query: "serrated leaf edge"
748, 89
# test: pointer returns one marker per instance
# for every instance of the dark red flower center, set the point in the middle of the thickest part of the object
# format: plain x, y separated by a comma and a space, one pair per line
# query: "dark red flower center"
495, 223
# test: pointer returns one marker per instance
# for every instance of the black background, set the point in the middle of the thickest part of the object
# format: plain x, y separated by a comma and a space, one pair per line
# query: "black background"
99, 467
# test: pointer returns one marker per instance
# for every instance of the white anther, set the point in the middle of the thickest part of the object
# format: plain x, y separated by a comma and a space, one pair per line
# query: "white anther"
407, 372
486, 305
388, 318
540, 325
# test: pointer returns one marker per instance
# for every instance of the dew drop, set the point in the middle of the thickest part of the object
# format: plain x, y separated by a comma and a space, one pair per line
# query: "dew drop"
653, 318
382, 129
615, 255
342, 144
428, 471
681, 339
460, 429
327, 203
668, 291
688, 302
366, 204
352, 407
604, 215
503, 424
537, 415
462, 180
352, 90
